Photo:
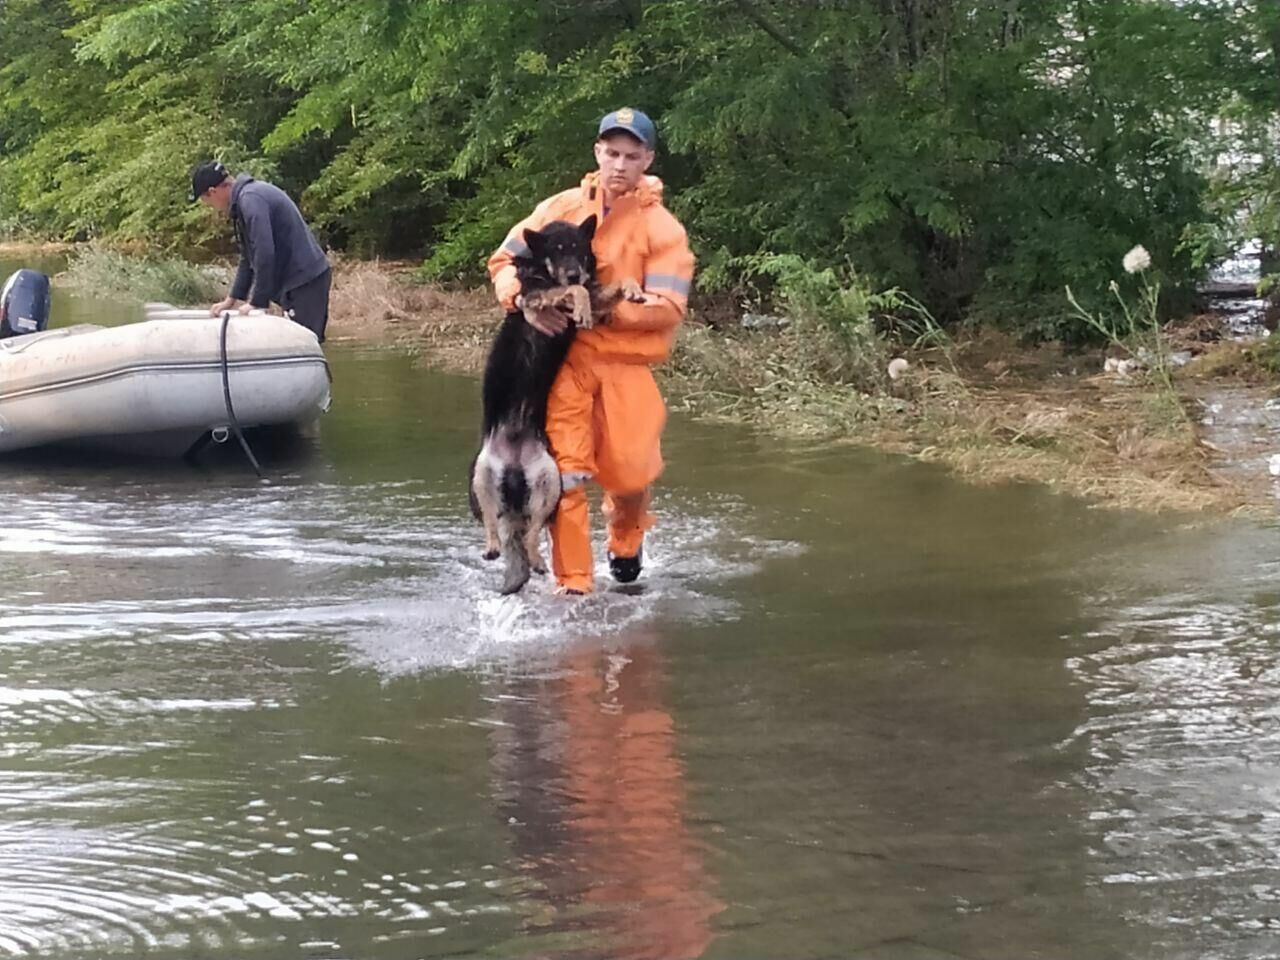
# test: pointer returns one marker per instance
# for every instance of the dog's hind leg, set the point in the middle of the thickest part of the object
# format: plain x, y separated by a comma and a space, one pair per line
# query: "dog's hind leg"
492, 546
486, 503
516, 575
472, 500
544, 495
533, 547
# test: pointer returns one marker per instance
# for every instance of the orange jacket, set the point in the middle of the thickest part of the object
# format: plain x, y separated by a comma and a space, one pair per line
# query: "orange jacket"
640, 240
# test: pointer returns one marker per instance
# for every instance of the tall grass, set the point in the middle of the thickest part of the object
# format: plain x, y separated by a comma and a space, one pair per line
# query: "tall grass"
110, 273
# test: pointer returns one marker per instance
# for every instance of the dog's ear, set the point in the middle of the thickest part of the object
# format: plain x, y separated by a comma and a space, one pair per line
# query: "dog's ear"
533, 239
588, 228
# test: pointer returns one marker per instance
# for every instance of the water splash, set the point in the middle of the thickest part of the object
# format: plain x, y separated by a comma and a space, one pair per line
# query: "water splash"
152, 633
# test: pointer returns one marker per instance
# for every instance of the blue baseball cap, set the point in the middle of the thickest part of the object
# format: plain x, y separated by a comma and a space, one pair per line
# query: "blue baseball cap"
633, 122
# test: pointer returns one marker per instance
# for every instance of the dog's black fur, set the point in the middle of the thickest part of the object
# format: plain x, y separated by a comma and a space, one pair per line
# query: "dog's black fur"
515, 484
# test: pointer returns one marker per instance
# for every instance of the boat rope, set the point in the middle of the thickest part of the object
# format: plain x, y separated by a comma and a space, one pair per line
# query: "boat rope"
226, 395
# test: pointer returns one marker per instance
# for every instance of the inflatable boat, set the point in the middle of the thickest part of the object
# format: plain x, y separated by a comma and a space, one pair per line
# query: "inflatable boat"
161, 387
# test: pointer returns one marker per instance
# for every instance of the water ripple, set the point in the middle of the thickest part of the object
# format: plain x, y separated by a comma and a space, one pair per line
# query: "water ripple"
162, 652
1183, 766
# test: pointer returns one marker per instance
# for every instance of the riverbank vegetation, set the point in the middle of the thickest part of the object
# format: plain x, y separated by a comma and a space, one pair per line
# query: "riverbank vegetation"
978, 155
829, 367
106, 272
862, 181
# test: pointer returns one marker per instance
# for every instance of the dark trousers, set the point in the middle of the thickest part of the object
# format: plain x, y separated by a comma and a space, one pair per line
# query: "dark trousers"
309, 304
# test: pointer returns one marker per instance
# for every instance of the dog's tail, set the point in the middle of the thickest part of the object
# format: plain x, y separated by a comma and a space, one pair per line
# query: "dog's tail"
514, 490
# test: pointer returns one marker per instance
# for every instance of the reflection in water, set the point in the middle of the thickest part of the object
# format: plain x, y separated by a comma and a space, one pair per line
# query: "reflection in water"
237, 713
858, 711
590, 784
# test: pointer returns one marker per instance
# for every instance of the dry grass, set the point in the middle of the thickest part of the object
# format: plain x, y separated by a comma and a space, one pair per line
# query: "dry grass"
1008, 415
381, 302
1115, 444
1255, 361
371, 301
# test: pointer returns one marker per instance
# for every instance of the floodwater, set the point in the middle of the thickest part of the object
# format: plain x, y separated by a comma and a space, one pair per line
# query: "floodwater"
860, 710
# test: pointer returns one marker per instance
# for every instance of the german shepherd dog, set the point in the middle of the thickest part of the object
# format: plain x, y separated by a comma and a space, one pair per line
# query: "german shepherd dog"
515, 484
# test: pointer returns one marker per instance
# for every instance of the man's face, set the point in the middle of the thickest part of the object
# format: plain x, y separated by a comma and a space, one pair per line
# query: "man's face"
622, 160
219, 197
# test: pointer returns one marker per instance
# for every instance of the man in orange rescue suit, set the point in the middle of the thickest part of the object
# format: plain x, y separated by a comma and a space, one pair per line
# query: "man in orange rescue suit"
605, 415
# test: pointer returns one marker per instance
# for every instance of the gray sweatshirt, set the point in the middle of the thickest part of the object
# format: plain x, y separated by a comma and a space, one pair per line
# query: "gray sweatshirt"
278, 252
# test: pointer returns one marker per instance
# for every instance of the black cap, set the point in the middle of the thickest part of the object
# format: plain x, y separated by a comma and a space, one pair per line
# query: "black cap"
204, 176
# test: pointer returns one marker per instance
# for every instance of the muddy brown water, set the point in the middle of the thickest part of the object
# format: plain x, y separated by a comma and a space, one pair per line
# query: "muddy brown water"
859, 710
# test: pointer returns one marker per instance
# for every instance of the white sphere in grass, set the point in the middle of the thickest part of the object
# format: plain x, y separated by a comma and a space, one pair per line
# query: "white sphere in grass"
1137, 260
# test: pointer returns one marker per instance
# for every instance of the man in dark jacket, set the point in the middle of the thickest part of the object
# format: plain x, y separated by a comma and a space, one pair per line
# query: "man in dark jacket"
280, 260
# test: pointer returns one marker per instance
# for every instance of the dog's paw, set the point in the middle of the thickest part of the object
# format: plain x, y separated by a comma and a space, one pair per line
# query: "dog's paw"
581, 307
632, 292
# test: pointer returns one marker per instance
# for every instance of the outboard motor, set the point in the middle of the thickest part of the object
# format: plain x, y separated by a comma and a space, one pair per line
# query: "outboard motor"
24, 304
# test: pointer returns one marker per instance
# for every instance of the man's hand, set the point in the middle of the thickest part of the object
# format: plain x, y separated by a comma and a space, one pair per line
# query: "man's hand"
546, 320
227, 304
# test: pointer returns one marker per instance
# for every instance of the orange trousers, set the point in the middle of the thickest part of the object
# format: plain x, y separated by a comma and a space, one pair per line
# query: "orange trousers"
604, 421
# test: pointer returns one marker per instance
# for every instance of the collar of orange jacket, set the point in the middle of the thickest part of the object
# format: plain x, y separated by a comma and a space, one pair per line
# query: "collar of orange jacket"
648, 191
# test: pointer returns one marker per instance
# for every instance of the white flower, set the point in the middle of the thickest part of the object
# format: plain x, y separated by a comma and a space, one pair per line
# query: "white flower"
1137, 259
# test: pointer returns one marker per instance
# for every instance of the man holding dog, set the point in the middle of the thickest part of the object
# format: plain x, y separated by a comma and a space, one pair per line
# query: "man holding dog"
280, 260
605, 415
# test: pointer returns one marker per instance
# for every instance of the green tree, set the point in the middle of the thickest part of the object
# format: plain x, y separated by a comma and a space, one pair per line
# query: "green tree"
977, 154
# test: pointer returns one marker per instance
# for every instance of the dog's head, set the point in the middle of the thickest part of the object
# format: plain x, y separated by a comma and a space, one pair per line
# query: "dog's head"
564, 250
